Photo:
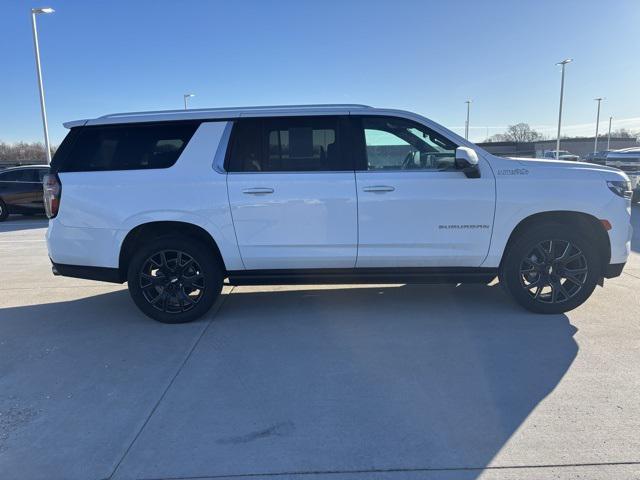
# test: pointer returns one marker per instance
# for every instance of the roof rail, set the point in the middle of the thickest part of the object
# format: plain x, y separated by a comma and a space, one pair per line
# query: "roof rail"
232, 109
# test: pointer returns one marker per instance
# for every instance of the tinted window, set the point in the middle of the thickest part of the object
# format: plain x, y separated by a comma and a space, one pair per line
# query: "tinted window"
399, 144
125, 147
22, 175
297, 144
246, 152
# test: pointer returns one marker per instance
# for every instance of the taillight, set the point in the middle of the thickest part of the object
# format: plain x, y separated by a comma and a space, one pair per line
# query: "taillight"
52, 194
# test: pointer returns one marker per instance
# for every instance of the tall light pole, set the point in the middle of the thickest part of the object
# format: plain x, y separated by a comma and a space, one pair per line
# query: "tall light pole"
34, 12
563, 63
609, 134
187, 96
595, 144
466, 125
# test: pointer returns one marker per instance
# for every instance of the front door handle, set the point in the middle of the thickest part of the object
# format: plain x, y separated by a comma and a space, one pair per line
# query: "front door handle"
257, 191
379, 188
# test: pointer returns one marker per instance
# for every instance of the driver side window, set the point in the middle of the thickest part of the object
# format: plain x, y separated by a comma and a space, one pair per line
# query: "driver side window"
399, 144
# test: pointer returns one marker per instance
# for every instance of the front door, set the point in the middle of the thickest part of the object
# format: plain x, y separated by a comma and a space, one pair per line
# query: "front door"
292, 194
414, 208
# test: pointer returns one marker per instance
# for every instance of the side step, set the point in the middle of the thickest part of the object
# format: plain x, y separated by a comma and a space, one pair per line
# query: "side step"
428, 275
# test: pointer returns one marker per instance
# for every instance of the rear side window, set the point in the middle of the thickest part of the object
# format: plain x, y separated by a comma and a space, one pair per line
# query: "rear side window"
21, 175
294, 144
124, 147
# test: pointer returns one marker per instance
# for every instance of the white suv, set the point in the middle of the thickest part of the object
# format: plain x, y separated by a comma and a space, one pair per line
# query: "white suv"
175, 202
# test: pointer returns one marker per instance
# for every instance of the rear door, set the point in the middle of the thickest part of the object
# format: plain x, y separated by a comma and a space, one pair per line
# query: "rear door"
21, 189
414, 208
291, 188
37, 195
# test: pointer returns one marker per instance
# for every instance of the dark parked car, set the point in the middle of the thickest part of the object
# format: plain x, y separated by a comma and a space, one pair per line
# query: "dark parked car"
599, 158
21, 190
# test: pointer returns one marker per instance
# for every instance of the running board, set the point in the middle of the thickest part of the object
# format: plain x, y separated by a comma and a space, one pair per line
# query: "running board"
429, 275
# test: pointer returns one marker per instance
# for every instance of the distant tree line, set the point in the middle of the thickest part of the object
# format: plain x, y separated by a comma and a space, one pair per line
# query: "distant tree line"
620, 133
522, 132
23, 153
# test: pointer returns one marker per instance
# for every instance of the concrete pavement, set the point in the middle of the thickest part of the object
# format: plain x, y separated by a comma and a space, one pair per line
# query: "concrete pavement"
375, 382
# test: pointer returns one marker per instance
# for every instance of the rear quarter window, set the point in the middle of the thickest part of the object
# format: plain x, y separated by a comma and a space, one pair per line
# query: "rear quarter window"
123, 147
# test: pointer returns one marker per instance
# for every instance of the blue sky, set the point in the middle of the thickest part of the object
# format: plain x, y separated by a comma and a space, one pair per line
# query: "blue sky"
427, 56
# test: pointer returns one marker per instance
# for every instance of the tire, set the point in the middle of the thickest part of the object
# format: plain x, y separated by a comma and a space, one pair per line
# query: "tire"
551, 268
174, 279
4, 211
636, 196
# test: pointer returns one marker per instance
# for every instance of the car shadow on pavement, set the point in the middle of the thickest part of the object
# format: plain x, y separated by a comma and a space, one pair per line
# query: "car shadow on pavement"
23, 222
406, 378
77, 378
396, 377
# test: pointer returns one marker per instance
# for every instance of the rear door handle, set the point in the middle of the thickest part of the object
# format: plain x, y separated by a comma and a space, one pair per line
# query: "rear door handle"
257, 191
379, 188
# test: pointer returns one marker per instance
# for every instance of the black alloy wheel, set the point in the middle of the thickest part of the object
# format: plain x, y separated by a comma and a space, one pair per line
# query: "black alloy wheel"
4, 211
174, 278
551, 268
172, 281
554, 271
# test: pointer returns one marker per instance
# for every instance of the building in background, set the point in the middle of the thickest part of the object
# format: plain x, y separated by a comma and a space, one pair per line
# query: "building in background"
579, 146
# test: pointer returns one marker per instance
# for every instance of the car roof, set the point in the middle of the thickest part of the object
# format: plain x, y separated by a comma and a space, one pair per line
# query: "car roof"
221, 113
627, 150
231, 113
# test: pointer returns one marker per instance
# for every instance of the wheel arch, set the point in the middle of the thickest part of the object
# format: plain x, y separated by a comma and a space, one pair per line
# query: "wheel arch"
159, 228
584, 222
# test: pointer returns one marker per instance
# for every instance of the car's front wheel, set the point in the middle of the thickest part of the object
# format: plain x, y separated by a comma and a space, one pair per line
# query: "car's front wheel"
551, 269
174, 279
4, 212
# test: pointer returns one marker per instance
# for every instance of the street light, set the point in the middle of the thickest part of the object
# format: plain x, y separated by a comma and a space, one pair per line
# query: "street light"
563, 63
609, 134
34, 12
595, 145
186, 96
466, 125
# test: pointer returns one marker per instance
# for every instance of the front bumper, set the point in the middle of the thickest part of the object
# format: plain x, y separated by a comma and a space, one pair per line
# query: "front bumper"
614, 270
635, 182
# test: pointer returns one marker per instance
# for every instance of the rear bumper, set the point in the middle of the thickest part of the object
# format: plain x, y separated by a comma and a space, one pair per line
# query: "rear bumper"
101, 274
99, 247
614, 270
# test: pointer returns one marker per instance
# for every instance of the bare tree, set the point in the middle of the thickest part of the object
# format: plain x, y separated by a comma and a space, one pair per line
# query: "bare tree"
23, 153
520, 132
622, 133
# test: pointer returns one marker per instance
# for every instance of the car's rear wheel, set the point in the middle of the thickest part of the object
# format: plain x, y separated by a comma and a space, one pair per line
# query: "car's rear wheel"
4, 212
551, 269
174, 279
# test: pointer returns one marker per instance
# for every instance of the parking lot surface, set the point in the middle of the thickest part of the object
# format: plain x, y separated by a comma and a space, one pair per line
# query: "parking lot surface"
336, 382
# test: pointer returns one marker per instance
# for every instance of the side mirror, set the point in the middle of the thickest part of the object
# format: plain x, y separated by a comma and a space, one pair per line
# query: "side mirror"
467, 161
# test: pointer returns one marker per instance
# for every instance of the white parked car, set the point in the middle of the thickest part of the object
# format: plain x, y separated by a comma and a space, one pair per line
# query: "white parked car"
561, 155
175, 202
627, 160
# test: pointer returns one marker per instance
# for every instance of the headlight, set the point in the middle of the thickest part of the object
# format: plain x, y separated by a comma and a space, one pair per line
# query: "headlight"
622, 188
